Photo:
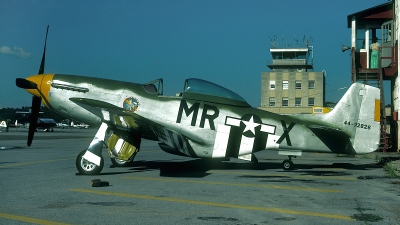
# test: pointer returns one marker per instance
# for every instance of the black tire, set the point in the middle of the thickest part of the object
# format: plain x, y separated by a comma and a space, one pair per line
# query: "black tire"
120, 163
87, 168
287, 164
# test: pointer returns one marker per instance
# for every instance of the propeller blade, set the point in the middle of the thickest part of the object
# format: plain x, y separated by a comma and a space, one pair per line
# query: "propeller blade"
34, 117
41, 69
25, 84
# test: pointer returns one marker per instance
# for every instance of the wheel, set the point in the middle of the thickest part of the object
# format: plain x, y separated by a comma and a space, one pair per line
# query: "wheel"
87, 168
120, 163
287, 164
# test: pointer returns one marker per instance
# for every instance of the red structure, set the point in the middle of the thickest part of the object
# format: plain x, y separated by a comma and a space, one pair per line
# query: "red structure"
379, 22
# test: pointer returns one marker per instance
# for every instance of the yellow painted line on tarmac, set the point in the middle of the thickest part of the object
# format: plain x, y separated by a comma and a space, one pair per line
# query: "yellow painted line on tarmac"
214, 204
297, 188
35, 162
283, 175
29, 219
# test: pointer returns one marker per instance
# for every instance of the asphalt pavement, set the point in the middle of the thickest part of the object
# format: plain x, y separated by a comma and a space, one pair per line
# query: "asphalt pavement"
40, 185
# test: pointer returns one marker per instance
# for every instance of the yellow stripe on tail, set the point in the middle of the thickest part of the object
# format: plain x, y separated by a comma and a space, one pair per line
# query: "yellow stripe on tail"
377, 114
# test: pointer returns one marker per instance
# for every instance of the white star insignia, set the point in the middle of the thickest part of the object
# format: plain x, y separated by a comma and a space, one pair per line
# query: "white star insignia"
250, 125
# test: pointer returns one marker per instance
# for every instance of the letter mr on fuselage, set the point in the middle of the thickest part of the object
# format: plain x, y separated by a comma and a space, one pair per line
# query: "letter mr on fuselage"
209, 113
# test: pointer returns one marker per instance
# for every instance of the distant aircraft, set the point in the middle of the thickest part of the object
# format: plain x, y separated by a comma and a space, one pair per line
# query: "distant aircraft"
46, 124
204, 121
62, 125
18, 125
3, 124
80, 126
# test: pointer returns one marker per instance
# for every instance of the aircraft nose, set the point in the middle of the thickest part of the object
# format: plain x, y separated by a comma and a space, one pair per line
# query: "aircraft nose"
37, 79
37, 85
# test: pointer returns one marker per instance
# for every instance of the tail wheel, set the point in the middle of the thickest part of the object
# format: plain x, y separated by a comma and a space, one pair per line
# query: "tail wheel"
87, 168
287, 164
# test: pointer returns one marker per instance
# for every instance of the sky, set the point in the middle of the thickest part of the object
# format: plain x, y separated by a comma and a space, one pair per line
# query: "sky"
226, 42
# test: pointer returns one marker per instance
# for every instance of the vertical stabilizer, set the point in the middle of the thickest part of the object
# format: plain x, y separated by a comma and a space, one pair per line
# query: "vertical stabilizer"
358, 115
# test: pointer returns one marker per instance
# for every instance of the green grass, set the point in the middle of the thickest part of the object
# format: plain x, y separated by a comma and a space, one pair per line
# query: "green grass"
390, 170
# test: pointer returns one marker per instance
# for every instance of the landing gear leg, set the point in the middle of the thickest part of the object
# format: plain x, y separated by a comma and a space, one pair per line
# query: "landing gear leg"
288, 164
90, 162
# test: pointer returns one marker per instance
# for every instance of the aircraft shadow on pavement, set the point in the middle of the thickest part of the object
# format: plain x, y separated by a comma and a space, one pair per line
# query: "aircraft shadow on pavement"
200, 168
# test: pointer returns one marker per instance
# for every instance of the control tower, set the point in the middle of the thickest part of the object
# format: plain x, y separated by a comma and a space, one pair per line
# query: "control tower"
292, 86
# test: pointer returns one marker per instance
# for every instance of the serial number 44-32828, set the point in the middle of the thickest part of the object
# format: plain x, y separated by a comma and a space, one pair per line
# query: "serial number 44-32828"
358, 125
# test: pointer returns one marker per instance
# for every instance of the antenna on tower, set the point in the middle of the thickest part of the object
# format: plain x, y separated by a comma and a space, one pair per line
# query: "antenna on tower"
273, 41
307, 42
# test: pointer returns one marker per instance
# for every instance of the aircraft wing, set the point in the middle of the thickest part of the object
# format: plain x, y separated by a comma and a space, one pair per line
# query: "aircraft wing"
120, 118
170, 140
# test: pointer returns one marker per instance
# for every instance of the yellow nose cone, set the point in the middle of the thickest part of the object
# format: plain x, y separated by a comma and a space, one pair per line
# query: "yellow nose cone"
43, 82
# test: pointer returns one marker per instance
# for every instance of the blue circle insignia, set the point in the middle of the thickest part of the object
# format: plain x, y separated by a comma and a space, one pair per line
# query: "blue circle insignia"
131, 104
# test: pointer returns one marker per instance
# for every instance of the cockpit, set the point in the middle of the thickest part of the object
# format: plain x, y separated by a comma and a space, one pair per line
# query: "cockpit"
198, 89
198, 86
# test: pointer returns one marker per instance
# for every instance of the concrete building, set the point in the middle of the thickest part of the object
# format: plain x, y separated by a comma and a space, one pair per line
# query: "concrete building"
292, 87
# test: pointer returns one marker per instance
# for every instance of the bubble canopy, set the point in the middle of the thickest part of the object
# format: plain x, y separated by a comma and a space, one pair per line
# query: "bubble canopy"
199, 86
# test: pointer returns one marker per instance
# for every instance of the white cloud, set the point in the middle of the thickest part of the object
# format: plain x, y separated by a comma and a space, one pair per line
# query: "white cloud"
16, 51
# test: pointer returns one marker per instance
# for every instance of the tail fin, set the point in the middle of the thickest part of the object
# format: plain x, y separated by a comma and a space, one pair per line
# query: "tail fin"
358, 115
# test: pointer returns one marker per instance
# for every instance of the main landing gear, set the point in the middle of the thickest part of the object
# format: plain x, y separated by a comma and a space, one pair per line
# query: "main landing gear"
122, 148
85, 167
287, 164
121, 163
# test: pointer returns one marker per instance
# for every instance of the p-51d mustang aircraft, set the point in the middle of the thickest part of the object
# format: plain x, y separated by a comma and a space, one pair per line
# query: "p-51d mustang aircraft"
204, 121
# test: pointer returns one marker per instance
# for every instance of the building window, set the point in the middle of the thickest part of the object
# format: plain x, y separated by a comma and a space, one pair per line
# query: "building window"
297, 102
311, 84
272, 85
271, 101
285, 85
298, 84
285, 101
310, 101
